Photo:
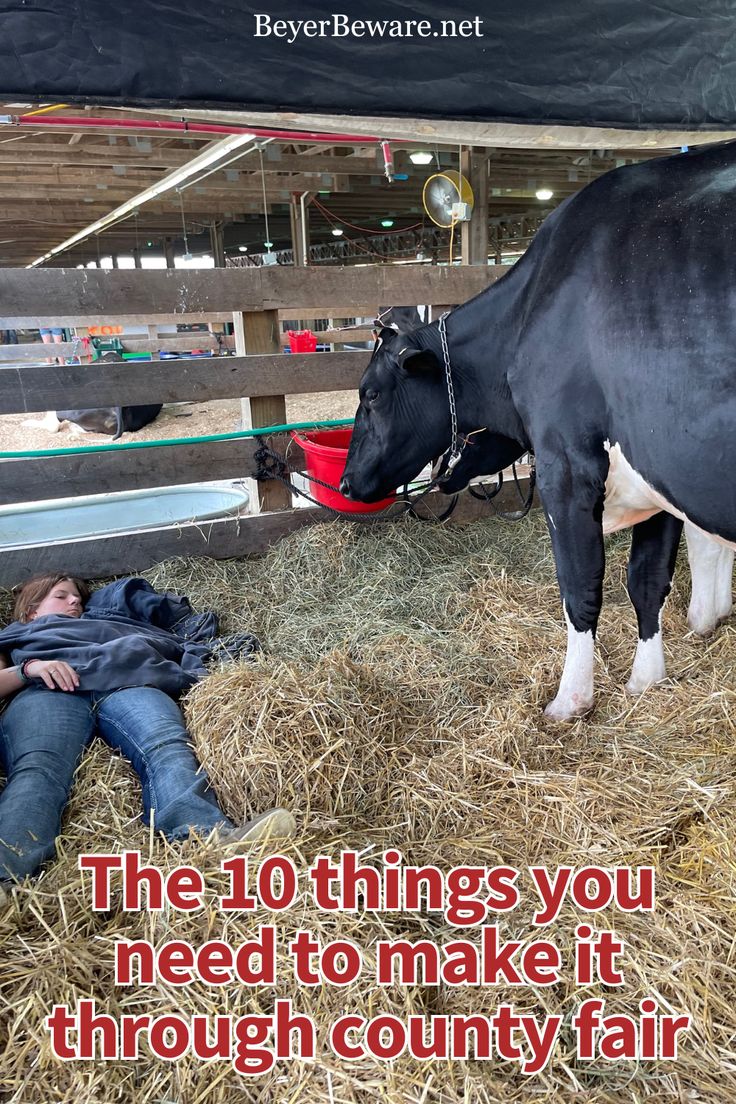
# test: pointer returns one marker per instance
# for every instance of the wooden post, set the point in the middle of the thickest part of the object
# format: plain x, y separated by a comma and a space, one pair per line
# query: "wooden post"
259, 332
217, 243
299, 229
474, 244
169, 252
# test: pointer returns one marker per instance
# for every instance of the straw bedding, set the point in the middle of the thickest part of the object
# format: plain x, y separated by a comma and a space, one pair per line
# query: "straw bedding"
397, 703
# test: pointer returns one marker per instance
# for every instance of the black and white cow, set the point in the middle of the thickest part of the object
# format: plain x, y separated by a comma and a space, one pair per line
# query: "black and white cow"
610, 351
112, 420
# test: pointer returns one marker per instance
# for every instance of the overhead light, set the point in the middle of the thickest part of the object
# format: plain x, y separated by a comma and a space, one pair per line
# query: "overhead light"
544, 193
243, 248
212, 154
337, 232
387, 223
268, 245
421, 157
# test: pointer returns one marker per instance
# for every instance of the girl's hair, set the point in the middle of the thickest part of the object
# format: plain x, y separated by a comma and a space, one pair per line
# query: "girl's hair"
32, 593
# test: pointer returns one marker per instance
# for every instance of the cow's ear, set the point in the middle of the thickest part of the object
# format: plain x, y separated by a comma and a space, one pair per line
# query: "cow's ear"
413, 360
386, 334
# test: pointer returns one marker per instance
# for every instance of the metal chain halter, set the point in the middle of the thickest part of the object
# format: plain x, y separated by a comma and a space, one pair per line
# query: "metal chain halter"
455, 452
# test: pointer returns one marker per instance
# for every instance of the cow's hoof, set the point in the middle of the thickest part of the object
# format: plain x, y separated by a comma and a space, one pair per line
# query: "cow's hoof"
637, 686
705, 626
702, 626
568, 708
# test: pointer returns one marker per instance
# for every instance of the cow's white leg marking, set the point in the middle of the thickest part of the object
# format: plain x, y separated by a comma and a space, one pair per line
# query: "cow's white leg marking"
711, 571
49, 422
575, 695
649, 665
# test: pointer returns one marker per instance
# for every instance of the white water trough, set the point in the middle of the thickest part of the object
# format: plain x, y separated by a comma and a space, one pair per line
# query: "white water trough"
70, 519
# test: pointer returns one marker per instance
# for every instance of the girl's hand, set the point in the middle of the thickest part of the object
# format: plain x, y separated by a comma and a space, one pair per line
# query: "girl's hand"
56, 674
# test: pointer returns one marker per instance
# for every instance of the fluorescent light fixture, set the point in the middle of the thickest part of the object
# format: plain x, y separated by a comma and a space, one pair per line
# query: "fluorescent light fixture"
544, 193
209, 156
421, 157
387, 223
337, 232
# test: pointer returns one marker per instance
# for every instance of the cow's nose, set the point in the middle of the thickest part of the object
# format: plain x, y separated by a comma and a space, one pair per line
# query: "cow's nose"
345, 487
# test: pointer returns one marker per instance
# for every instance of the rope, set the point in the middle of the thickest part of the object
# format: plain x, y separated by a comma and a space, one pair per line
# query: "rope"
526, 503
271, 465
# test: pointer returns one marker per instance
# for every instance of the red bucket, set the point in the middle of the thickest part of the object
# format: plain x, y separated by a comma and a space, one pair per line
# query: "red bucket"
326, 451
302, 341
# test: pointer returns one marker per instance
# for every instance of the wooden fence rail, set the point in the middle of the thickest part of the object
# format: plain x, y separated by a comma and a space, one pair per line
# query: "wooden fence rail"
77, 386
61, 297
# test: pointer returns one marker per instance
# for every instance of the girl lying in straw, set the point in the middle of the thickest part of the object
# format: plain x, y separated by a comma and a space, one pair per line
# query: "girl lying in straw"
117, 667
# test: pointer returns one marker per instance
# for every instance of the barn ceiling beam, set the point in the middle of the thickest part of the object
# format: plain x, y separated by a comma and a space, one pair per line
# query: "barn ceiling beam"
469, 133
278, 190
199, 164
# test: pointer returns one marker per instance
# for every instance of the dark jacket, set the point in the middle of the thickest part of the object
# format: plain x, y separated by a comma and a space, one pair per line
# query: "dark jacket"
128, 635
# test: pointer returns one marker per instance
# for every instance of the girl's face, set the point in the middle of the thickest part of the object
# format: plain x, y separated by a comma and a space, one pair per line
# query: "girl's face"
63, 600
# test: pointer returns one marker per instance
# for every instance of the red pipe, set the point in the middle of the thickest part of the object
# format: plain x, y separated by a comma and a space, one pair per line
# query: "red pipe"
171, 125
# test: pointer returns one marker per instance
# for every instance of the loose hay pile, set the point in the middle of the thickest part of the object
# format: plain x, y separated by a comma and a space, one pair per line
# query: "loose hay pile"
398, 703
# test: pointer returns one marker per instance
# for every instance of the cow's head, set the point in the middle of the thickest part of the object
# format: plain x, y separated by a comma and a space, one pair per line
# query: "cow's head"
403, 421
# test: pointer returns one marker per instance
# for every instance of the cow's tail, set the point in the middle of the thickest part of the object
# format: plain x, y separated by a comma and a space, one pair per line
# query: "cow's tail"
118, 422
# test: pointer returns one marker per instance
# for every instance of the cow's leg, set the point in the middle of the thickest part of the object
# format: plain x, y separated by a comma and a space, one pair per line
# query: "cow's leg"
654, 545
574, 508
711, 571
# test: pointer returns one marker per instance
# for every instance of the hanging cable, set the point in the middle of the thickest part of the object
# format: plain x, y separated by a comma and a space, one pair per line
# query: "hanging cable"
268, 243
183, 222
332, 217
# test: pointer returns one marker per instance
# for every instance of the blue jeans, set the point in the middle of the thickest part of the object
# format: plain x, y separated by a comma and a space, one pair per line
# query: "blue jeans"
42, 736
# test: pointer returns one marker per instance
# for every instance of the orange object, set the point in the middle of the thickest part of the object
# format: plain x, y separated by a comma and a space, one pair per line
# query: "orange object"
326, 451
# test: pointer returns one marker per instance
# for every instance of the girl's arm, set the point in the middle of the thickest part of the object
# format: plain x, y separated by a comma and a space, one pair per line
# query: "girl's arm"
55, 674
10, 679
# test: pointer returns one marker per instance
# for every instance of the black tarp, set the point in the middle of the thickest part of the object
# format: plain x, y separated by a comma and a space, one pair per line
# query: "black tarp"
630, 63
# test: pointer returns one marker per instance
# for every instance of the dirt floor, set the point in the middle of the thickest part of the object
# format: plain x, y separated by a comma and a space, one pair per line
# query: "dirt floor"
175, 420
